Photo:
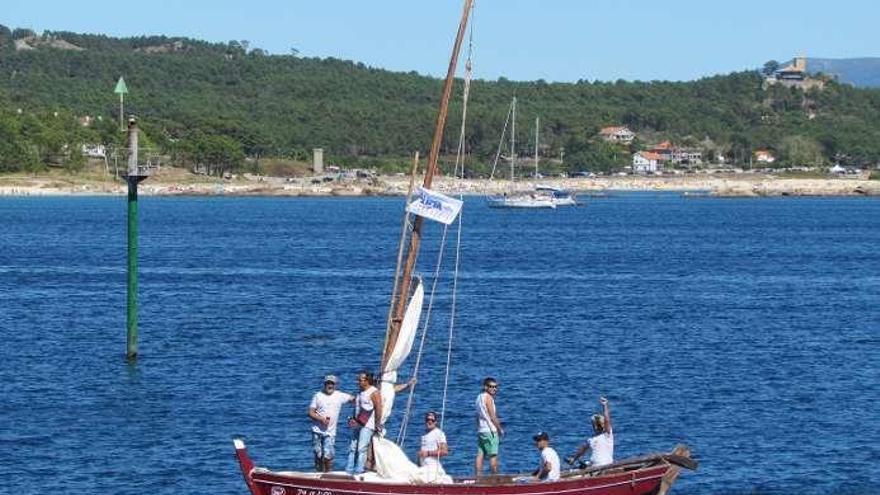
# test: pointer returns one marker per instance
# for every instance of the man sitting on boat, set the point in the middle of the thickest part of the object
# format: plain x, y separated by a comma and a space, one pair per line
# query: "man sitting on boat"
549, 468
434, 445
602, 442
324, 411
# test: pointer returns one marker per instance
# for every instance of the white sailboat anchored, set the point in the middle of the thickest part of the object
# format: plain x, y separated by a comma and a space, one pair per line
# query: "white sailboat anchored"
542, 196
516, 199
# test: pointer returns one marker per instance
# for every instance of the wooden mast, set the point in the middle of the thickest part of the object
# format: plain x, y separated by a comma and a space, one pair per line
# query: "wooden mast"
400, 299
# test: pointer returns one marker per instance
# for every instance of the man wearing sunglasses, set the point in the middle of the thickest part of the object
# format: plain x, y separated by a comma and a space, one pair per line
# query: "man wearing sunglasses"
433, 446
489, 430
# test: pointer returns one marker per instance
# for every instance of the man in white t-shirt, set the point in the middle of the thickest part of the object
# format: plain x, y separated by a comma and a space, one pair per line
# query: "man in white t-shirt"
324, 411
433, 444
549, 468
601, 443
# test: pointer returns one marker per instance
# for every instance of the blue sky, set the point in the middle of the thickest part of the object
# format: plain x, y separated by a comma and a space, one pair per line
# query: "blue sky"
555, 40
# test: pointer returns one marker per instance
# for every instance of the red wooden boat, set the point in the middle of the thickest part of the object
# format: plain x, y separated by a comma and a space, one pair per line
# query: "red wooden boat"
647, 475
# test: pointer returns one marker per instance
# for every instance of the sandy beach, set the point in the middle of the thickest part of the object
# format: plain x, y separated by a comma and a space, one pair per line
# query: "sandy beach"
175, 182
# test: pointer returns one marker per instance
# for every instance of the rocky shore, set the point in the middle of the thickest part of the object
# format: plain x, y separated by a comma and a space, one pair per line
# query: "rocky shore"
739, 185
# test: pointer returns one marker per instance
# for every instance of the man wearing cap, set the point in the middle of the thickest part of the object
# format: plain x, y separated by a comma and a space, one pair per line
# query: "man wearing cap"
433, 446
324, 412
602, 441
548, 470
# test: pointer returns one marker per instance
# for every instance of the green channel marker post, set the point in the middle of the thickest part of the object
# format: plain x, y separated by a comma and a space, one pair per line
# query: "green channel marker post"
136, 174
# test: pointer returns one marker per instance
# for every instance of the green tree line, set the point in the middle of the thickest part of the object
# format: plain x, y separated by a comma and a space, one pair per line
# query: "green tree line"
214, 104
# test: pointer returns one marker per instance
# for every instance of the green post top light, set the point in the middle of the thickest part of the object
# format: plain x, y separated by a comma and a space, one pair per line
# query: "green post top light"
121, 88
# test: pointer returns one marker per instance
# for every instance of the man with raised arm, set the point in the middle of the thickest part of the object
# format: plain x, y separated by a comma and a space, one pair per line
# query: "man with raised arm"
601, 443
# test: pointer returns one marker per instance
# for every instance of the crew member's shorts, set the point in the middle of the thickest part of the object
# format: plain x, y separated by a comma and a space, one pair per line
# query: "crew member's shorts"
487, 443
323, 445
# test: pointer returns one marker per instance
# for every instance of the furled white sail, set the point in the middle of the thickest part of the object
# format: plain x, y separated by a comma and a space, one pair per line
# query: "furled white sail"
393, 464
402, 348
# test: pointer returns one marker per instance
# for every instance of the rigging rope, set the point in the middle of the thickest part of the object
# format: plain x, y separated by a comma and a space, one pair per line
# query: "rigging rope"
501, 141
401, 435
459, 162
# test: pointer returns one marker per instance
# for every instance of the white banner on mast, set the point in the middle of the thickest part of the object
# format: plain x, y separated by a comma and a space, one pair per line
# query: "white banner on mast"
435, 206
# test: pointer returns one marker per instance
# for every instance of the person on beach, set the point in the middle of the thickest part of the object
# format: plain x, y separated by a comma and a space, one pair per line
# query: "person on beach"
549, 468
324, 412
367, 420
489, 430
602, 442
433, 445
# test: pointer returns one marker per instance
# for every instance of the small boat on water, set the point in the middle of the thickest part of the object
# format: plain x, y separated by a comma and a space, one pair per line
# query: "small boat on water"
542, 196
560, 197
521, 200
647, 475
393, 473
518, 199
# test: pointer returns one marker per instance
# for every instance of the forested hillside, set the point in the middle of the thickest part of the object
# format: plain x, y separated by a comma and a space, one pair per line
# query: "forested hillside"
197, 100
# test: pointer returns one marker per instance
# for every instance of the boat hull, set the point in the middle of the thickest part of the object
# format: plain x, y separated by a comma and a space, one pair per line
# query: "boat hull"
514, 202
645, 476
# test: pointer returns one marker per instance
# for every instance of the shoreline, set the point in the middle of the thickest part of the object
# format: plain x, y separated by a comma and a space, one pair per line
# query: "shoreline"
739, 185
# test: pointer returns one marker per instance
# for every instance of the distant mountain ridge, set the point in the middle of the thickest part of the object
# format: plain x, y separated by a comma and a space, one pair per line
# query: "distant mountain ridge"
861, 72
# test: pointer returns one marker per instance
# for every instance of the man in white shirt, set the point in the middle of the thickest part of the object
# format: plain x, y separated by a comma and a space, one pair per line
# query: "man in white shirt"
433, 442
548, 469
324, 412
601, 443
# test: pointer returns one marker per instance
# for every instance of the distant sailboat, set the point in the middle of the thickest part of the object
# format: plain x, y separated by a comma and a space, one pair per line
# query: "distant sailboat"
559, 196
513, 199
543, 196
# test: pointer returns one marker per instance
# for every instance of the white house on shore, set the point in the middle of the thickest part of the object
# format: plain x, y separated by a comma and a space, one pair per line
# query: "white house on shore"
764, 156
617, 134
645, 162
94, 150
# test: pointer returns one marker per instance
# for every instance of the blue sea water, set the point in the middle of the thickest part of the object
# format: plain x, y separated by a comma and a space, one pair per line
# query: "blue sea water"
748, 329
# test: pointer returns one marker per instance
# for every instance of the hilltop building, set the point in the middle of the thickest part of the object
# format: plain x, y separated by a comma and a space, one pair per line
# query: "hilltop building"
794, 75
617, 134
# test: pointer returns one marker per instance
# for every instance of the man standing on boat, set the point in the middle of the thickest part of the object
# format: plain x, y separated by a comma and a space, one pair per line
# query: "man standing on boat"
368, 406
549, 468
367, 420
602, 442
433, 446
324, 411
489, 430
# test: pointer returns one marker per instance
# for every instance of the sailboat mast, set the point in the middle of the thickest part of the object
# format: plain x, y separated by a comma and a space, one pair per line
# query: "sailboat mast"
537, 123
400, 299
513, 140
